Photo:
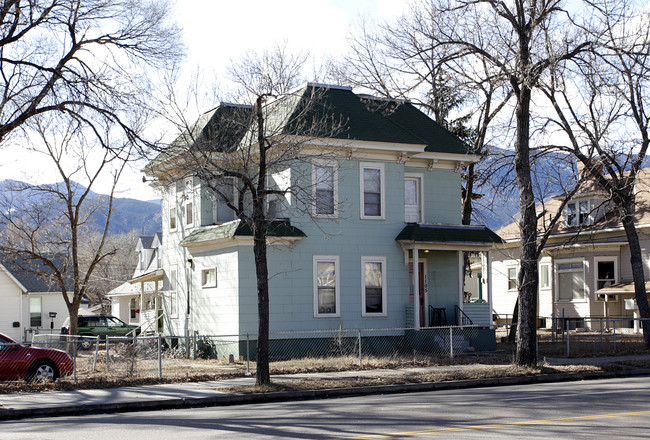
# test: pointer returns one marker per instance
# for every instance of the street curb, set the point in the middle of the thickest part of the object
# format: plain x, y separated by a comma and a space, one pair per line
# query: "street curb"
282, 396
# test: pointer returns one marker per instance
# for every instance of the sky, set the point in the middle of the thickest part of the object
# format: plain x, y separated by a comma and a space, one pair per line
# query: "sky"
217, 32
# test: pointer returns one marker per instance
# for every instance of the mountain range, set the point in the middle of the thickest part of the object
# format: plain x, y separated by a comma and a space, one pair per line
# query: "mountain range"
128, 214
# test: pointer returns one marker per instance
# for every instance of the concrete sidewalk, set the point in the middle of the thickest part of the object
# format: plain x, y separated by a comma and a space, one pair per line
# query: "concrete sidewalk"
213, 393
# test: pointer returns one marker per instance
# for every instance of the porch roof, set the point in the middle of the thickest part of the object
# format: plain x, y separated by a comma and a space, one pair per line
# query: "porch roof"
156, 275
622, 289
238, 228
448, 236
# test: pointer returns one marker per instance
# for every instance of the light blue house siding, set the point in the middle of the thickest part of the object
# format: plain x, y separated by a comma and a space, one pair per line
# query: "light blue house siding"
402, 142
350, 238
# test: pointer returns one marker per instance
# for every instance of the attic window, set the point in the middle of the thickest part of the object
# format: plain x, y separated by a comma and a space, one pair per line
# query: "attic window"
578, 213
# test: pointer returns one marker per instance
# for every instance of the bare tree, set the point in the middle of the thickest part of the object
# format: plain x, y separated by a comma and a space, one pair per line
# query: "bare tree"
235, 149
88, 59
51, 223
601, 101
397, 60
517, 40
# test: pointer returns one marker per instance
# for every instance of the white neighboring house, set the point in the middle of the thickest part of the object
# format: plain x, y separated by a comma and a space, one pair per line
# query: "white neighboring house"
138, 301
30, 304
584, 269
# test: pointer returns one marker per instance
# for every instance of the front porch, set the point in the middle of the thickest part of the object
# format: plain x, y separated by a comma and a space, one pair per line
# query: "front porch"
148, 307
424, 247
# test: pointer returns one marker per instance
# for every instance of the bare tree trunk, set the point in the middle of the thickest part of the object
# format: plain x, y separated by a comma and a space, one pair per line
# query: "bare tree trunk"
259, 250
261, 268
636, 261
512, 334
526, 328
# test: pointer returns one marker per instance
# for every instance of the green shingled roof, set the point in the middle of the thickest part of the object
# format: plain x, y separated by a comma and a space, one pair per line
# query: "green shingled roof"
304, 112
238, 228
448, 234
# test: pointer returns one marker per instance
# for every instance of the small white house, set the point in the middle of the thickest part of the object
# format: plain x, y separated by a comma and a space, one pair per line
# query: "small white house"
30, 304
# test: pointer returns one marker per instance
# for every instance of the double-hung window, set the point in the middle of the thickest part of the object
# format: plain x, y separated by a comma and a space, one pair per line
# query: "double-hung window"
578, 213
606, 275
326, 286
221, 212
373, 282
545, 276
570, 280
324, 183
189, 202
173, 292
512, 278
172, 207
35, 311
372, 191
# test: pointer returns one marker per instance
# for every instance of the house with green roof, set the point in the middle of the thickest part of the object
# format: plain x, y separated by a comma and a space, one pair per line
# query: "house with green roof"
364, 231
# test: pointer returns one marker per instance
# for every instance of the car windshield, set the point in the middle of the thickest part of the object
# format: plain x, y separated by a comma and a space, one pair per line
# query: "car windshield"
114, 322
5, 344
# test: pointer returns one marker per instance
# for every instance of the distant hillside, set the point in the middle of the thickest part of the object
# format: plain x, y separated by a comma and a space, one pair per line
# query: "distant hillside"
128, 214
499, 203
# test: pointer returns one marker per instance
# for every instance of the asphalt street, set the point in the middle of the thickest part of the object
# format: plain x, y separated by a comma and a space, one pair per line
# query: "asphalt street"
611, 408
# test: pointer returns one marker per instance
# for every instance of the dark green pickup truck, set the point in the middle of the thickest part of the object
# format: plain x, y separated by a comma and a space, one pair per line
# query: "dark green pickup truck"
100, 325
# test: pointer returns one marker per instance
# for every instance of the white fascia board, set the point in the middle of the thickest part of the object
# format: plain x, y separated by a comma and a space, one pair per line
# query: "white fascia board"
451, 157
224, 243
584, 232
357, 144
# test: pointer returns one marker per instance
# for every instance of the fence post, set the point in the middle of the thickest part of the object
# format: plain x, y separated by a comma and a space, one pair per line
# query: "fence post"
359, 339
601, 334
248, 357
614, 336
96, 353
553, 327
568, 337
133, 342
74, 359
451, 342
107, 354
159, 356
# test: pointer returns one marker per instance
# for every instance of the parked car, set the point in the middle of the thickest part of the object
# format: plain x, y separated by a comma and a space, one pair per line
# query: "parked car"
19, 361
99, 325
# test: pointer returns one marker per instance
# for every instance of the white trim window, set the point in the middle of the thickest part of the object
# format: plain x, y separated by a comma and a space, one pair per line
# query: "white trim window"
511, 273
413, 198
578, 213
172, 207
324, 179
35, 311
545, 276
326, 286
221, 212
570, 279
605, 274
209, 277
372, 191
173, 292
373, 286
189, 202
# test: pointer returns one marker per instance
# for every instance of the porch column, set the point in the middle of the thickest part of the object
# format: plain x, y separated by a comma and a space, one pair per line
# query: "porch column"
141, 303
487, 276
461, 281
416, 288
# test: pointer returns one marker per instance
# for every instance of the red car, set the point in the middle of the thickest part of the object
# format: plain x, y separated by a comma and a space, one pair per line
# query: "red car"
18, 361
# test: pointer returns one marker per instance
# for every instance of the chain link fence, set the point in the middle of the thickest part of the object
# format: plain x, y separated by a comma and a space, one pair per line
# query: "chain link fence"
218, 355
586, 336
211, 356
